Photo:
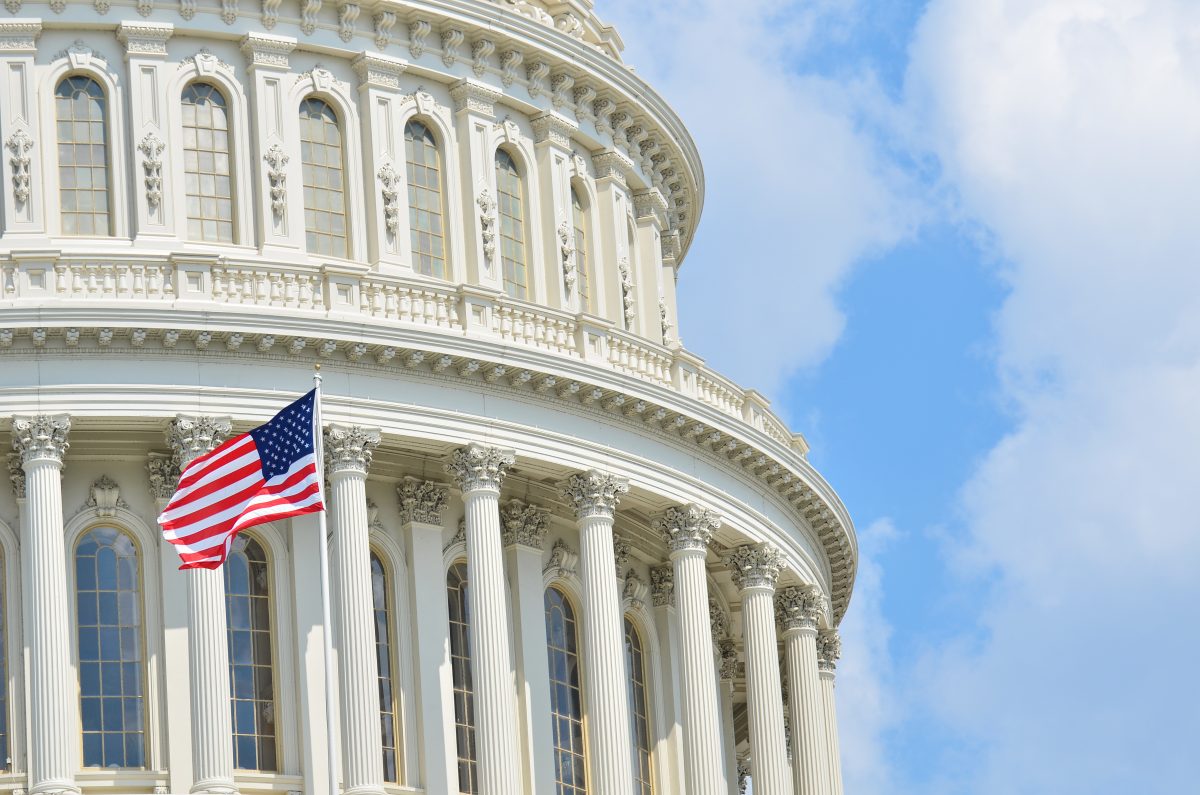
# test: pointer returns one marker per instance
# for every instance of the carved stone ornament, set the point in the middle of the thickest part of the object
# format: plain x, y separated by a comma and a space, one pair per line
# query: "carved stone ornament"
729, 660
743, 775
664, 321
635, 590
452, 39
829, 649
308, 15
460, 536
662, 585
151, 148
564, 561
192, 437
687, 528
718, 619
19, 143
374, 523
277, 160
627, 299
389, 181
477, 467
41, 438
384, 21
798, 607
621, 552
510, 62
163, 474
421, 501
523, 524
566, 250
594, 493
350, 448
475, 97
104, 497
480, 51
347, 16
418, 31
487, 223
754, 566
16, 475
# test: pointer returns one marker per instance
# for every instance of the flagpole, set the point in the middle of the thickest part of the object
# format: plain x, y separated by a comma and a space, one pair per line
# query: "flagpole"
331, 745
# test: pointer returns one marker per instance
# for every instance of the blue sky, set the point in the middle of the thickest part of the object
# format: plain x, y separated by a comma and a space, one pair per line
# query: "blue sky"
956, 242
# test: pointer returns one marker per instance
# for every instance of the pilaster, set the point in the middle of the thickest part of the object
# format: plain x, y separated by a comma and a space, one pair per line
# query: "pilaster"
474, 120
150, 130
612, 208
22, 183
552, 142
380, 93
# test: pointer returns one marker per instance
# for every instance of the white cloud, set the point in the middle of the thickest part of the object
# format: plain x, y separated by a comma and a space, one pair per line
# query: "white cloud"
1071, 130
796, 192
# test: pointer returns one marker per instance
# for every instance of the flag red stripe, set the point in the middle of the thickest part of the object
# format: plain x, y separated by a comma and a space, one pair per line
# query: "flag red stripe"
203, 463
218, 523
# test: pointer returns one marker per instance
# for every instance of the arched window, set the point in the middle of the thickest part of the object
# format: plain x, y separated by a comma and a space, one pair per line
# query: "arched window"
381, 596
206, 163
639, 721
582, 274
324, 179
4, 754
566, 703
108, 602
460, 665
82, 114
510, 201
426, 216
251, 657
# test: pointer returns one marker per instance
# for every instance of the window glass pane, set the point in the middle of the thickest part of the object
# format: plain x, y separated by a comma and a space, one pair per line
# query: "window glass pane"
381, 598
81, 111
206, 162
460, 663
109, 633
425, 208
639, 721
251, 661
565, 700
321, 153
511, 210
582, 275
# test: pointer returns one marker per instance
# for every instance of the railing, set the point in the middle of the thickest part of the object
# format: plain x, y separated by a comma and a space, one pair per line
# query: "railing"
400, 300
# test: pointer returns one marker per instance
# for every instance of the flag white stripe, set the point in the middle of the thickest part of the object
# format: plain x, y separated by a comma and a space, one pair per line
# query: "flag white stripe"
208, 500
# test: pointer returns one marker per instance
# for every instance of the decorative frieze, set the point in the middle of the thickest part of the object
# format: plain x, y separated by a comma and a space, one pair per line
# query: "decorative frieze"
613, 165
553, 127
622, 551
477, 467
798, 607
662, 585
594, 493
688, 527
729, 660
754, 566
350, 448
41, 437
718, 619
523, 524
635, 591
649, 203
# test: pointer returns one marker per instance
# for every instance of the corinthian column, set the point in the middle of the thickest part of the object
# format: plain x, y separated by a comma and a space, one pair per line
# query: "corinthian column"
687, 531
208, 640
594, 496
41, 443
755, 569
829, 649
348, 451
478, 471
797, 610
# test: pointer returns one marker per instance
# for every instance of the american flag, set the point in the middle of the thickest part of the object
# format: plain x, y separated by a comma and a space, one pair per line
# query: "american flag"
267, 474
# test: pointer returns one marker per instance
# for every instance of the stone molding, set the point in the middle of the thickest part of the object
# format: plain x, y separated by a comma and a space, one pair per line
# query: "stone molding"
421, 501
555, 128
754, 566
477, 467
145, 39
41, 437
474, 97
379, 71
20, 35
594, 493
350, 448
264, 50
687, 528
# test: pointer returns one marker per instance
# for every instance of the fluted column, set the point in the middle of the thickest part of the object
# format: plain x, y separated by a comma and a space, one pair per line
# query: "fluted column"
41, 443
797, 610
829, 649
594, 495
348, 452
687, 531
728, 673
479, 471
208, 640
755, 570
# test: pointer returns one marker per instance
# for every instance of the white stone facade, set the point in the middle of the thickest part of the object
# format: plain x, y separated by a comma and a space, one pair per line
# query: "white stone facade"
653, 572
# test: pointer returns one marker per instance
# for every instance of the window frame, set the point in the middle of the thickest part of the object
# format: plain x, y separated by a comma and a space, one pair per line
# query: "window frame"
231, 153
585, 274
473, 764
641, 632
390, 613
110, 147
444, 181
522, 171
342, 124
570, 597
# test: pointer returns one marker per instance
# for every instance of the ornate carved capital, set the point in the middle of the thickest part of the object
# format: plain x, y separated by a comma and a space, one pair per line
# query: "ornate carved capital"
689, 527
648, 203
554, 128
421, 501
41, 437
145, 39
729, 660
621, 550
20, 36
192, 437
475, 97
523, 524
717, 619
798, 608
662, 585
264, 50
476, 467
16, 475
350, 448
379, 71
164, 475
829, 649
594, 493
754, 566
612, 164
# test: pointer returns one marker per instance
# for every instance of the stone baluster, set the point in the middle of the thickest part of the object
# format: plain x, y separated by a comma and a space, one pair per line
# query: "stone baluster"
208, 637
41, 443
595, 495
687, 531
797, 610
348, 453
829, 649
478, 471
755, 570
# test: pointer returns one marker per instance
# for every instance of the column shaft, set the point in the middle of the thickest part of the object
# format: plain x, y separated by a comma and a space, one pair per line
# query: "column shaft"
727, 736
701, 733
768, 751
208, 656
806, 711
829, 648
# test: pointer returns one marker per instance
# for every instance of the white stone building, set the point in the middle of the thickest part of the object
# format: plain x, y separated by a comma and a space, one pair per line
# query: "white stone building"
567, 557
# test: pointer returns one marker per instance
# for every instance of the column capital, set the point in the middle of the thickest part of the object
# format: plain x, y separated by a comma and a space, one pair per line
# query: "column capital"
163, 474
754, 566
41, 437
687, 527
350, 448
621, 551
594, 493
729, 660
191, 437
553, 127
267, 50
477, 467
421, 501
473, 96
20, 35
379, 71
145, 39
829, 649
798, 607
523, 524
717, 619
662, 585
17, 475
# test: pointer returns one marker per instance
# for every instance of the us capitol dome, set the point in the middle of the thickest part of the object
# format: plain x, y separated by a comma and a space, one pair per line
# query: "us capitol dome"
567, 556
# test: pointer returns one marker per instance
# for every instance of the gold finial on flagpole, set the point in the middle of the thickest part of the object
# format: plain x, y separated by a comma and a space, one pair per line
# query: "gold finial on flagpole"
317, 367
